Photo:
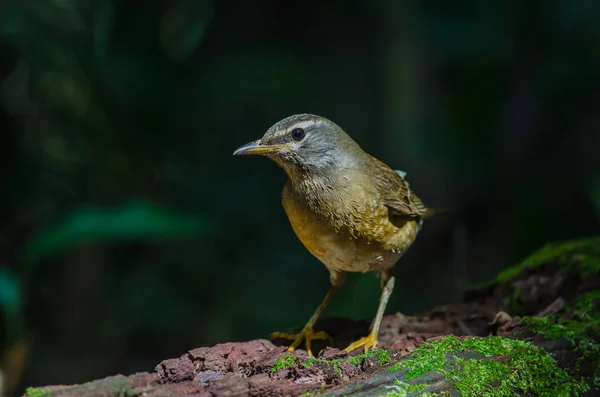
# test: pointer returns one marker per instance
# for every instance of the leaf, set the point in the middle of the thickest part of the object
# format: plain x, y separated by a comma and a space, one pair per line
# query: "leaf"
133, 221
10, 292
183, 26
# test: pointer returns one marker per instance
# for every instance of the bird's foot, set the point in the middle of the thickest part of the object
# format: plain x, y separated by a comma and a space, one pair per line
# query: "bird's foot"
307, 334
368, 342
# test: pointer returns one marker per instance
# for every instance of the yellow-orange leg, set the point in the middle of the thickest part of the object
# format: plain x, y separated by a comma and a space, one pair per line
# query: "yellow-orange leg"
307, 334
370, 341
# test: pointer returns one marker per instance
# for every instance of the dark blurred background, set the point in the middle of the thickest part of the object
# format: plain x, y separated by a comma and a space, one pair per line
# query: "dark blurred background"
129, 233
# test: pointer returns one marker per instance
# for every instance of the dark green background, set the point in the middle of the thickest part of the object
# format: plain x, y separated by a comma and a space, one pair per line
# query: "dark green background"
129, 233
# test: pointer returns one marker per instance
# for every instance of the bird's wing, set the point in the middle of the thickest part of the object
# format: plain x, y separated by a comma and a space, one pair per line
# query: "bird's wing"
396, 192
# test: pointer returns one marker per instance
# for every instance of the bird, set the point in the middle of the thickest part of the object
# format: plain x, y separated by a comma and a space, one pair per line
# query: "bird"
350, 210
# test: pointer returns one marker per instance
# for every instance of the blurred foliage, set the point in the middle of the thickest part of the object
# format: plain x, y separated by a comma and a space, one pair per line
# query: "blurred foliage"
10, 292
118, 120
128, 222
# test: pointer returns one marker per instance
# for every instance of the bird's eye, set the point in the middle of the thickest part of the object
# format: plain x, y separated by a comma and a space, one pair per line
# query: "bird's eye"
298, 134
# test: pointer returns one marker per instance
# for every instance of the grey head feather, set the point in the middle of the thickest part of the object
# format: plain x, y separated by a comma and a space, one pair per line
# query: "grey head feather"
324, 147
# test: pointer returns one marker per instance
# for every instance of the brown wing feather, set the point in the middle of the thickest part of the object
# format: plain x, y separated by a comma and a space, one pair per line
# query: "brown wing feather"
396, 192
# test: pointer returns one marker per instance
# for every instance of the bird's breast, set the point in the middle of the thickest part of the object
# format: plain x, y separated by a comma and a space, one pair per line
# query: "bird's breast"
362, 240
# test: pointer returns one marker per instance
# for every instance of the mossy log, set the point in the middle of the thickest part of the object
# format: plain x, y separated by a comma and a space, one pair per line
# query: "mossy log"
534, 331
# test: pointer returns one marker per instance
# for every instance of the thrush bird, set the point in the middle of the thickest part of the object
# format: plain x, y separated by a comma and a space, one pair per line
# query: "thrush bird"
350, 210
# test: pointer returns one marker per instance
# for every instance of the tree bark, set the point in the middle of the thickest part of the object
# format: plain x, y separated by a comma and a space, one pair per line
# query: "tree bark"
264, 368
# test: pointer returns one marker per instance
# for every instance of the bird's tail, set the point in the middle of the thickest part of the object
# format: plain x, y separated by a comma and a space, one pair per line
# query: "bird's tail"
431, 212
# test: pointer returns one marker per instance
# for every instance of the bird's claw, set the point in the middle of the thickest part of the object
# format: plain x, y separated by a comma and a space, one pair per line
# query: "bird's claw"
307, 334
368, 342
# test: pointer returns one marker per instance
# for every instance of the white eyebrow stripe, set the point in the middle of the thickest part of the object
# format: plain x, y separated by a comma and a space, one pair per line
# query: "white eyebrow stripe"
305, 124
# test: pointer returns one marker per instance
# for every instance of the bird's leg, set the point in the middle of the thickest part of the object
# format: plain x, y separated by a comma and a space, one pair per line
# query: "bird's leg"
307, 334
370, 341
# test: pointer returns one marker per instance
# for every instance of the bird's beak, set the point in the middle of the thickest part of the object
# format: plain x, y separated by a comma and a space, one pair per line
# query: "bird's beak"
257, 147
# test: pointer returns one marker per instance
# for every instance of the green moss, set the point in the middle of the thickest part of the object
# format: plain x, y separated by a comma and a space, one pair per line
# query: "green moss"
584, 305
416, 388
335, 364
37, 392
382, 355
117, 385
495, 366
410, 388
402, 389
513, 303
553, 327
583, 253
480, 286
578, 328
285, 362
509, 274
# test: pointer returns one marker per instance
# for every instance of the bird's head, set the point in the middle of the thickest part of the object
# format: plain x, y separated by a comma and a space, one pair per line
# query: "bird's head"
305, 143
